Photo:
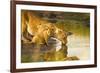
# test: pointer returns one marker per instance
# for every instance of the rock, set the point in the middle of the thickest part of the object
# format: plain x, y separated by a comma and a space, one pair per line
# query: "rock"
72, 58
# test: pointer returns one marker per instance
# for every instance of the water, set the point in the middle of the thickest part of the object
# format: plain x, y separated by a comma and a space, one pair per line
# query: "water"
76, 46
79, 46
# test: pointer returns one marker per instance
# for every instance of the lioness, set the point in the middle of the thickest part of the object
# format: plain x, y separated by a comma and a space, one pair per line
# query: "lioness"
41, 37
37, 26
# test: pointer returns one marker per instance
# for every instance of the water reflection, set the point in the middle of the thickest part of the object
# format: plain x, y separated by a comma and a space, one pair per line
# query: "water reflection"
43, 53
77, 48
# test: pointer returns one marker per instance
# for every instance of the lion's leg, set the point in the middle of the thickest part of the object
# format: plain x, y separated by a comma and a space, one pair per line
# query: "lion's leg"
29, 37
25, 38
46, 40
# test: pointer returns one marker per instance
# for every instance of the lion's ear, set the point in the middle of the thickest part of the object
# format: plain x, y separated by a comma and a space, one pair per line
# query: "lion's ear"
69, 33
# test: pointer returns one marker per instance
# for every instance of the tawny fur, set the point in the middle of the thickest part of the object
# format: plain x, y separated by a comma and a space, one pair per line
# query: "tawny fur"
41, 37
39, 28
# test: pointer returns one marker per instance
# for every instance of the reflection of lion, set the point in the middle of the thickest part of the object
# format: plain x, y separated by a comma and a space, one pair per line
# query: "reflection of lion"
40, 29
